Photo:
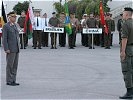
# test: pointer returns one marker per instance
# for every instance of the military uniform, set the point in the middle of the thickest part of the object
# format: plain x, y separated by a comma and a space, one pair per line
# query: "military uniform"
72, 37
23, 37
84, 38
62, 36
54, 22
37, 32
101, 35
91, 23
126, 52
112, 30
119, 28
107, 37
127, 64
45, 35
97, 36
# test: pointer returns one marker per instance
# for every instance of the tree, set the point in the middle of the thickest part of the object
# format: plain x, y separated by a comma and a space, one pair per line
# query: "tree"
84, 6
18, 8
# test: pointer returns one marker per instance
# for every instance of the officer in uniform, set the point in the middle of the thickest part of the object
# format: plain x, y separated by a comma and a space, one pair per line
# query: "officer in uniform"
10, 40
119, 27
107, 36
23, 36
84, 37
72, 38
62, 36
126, 52
45, 35
37, 31
54, 22
91, 23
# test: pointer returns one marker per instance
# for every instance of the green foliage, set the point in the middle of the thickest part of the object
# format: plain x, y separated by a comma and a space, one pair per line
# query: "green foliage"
18, 8
83, 6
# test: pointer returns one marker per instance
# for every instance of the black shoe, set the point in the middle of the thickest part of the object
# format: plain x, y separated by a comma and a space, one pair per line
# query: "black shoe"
126, 96
107, 48
91, 48
39, 48
34, 47
71, 47
46, 45
86, 45
52, 48
55, 48
13, 84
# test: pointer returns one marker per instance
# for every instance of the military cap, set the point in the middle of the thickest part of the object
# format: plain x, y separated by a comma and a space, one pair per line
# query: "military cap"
108, 14
128, 9
54, 13
12, 14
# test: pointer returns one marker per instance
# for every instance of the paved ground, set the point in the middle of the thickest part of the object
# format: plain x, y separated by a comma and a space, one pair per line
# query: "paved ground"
66, 74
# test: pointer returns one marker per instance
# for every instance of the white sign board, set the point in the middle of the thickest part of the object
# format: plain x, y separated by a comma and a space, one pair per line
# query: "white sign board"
92, 30
54, 30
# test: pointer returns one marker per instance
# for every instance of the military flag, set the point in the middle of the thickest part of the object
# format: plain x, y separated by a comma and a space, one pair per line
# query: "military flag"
102, 18
28, 28
3, 18
68, 27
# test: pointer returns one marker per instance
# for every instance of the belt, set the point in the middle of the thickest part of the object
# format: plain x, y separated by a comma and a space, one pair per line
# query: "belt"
130, 44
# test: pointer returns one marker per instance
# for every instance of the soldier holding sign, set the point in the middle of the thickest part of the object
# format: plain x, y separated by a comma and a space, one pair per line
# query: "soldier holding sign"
54, 22
91, 23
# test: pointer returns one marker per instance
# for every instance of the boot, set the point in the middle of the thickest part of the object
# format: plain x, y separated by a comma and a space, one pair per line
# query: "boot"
128, 95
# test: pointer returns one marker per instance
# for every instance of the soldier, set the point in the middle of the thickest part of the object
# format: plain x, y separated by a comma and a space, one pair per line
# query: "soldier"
45, 35
107, 36
97, 36
54, 22
72, 38
112, 30
23, 36
11, 47
102, 35
91, 23
37, 31
62, 36
84, 39
119, 27
126, 52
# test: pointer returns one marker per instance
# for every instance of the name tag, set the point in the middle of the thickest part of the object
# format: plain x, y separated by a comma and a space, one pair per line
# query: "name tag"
54, 30
92, 30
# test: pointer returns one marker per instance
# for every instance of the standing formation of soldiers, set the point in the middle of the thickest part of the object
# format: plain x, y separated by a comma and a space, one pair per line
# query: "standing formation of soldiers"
41, 38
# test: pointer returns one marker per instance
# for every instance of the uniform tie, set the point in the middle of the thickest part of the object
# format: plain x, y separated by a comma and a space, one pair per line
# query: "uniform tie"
37, 22
45, 22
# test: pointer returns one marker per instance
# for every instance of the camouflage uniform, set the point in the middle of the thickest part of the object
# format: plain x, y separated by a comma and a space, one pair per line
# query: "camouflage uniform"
55, 23
119, 28
107, 37
91, 23
127, 64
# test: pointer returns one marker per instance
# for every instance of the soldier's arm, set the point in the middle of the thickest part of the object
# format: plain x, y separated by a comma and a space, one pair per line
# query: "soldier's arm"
112, 25
5, 38
124, 40
118, 25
